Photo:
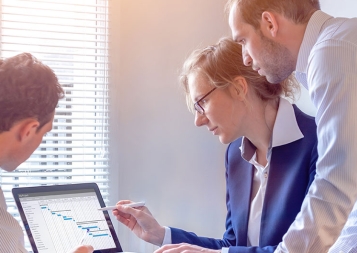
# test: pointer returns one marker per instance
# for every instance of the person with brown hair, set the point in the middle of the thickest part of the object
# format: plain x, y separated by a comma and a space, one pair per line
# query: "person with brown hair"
270, 160
279, 37
29, 93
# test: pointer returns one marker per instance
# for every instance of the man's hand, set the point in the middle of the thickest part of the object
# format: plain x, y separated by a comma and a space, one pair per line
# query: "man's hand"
140, 221
184, 247
83, 249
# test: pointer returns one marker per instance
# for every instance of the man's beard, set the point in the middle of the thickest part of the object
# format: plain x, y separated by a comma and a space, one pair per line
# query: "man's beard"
277, 61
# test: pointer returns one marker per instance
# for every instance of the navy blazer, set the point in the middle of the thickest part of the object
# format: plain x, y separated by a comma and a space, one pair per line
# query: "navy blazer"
292, 170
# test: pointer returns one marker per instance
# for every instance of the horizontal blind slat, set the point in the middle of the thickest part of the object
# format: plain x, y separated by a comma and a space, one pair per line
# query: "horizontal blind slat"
22, 15
93, 103
55, 53
35, 167
61, 146
82, 117
49, 46
9, 38
55, 174
50, 181
5, 28
69, 2
74, 153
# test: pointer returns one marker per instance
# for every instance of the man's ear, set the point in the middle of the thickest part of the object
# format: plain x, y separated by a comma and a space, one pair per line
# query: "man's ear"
27, 129
269, 23
239, 88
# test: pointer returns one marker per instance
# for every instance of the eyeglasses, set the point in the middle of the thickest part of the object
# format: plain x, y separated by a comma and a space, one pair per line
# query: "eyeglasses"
197, 105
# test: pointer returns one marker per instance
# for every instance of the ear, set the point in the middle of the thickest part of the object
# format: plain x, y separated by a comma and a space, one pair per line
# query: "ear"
27, 129
269, 23
239, 88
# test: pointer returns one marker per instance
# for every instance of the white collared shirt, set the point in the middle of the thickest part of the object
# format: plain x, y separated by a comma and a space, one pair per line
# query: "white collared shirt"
285, 131
11, 235
327, 67
285, 119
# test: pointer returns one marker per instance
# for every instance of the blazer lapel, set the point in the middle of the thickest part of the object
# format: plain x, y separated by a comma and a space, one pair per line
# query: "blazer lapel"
240, 184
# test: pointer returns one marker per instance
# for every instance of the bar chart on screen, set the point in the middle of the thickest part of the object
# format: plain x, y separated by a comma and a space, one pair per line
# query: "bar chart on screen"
60, 224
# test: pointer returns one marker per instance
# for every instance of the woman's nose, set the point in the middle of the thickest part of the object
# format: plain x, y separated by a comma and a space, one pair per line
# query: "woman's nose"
200, 119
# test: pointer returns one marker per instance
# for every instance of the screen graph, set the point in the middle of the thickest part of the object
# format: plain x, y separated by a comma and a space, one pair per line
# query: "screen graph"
61, 222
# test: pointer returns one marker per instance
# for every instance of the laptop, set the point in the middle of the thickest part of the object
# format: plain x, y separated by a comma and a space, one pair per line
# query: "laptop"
58, 218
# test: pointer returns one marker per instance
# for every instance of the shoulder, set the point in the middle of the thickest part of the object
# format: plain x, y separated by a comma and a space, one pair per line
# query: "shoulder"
304, 120
233, 151
300, 115
235, 144
307, 125
337, 41
339, 29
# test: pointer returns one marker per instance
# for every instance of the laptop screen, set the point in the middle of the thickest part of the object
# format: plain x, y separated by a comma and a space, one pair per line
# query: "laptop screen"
59, 218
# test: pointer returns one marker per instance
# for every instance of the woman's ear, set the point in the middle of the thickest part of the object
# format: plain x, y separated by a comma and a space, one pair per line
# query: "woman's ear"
269, 24
239, 88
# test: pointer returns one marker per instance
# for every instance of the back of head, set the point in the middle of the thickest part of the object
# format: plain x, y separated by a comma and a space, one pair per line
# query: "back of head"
298, 11
221, 63
28, 89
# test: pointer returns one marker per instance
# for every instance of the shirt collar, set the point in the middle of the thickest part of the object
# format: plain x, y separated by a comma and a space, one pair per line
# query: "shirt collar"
285, 130
312, 32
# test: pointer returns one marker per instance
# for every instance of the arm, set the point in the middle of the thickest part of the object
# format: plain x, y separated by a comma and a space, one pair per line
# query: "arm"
332, 195
188, 248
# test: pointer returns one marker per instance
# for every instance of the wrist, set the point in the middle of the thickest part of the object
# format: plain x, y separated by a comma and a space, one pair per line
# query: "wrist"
161, 235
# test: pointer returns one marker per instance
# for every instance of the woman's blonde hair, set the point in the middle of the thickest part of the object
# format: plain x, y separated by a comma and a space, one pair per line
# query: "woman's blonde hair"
221, 63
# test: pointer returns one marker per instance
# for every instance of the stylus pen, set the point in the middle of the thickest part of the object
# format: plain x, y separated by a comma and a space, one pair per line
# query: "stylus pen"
136, 204
84, 236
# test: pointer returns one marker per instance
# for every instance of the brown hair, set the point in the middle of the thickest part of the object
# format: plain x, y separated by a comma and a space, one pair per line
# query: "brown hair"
221, 63
28, 89
298, 11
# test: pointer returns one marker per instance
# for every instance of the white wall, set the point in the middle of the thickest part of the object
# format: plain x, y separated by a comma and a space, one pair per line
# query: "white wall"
157, 154
340, 8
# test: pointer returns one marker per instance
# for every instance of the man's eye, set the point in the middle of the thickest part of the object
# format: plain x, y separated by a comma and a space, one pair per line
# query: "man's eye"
242, 41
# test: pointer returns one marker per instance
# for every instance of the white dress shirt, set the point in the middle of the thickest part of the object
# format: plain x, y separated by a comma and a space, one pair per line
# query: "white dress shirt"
285, 130
327, 67
285, 119
259, 186
11, 235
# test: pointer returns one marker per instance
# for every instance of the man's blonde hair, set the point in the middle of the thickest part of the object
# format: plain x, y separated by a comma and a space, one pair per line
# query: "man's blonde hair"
299, 11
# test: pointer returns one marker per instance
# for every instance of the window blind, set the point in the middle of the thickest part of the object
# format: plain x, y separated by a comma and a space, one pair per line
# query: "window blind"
70, 36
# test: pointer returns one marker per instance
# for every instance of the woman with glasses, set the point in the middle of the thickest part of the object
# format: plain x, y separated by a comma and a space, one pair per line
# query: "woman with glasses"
270, 160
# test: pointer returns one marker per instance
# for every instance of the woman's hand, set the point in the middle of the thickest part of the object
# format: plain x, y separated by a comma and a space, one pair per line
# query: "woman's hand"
184, 247
140, 221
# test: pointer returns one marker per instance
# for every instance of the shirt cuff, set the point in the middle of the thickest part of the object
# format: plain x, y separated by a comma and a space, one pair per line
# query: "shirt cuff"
224, 250
167, 237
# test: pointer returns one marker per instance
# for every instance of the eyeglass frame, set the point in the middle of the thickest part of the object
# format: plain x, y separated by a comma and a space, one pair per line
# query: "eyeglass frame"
197, 105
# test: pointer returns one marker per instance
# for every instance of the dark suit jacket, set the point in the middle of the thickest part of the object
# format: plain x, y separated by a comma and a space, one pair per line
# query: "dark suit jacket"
292, 170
